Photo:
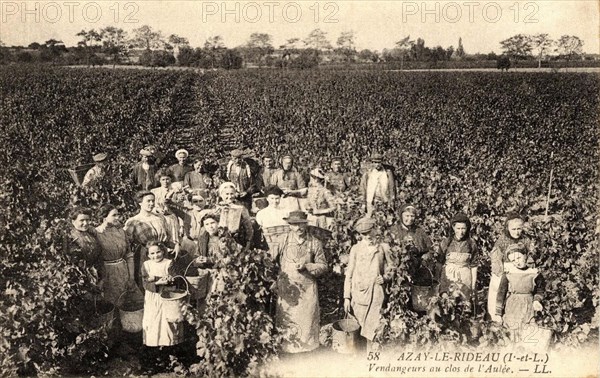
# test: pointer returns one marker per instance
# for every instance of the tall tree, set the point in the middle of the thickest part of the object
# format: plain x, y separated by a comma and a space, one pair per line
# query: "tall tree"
114, 43
177, 41
258, 47
518, 46
231, 60
214, 43
88, 38
317, 39
569, 46
368, 55
52, 50
459, 53
146, 38
87, 44
404, 45
449, 52
419, 51
541, 44
292, 44
438, 54
346, 40
345, 43
214, 48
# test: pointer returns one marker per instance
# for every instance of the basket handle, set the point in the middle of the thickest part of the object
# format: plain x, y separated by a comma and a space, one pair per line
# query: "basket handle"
119, 299
187, 287
430, 273
186, 269
552, 316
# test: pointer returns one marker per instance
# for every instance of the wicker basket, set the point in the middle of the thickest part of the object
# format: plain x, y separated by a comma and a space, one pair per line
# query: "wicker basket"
78, 173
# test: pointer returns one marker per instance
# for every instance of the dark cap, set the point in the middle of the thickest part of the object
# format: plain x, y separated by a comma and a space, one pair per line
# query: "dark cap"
296, 217
364, 225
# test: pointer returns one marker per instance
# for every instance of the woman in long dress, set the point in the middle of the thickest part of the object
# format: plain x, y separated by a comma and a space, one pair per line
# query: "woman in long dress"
82, 244
162, 196
145, 227
370, 267
289, 179
320, 203
413, 239
457, 252
116, 253
302, 260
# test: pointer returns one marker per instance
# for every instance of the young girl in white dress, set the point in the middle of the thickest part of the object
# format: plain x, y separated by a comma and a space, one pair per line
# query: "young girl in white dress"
157, 331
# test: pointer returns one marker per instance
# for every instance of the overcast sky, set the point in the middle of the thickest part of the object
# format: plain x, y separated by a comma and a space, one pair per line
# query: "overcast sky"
377, 24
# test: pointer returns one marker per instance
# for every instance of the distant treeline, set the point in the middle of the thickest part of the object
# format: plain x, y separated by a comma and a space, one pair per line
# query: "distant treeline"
148, 47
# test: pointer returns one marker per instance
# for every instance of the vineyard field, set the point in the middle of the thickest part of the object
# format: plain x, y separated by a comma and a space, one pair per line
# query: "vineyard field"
479, 142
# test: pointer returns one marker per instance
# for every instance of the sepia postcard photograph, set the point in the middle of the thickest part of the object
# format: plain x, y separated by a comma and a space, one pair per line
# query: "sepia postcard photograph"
300, 188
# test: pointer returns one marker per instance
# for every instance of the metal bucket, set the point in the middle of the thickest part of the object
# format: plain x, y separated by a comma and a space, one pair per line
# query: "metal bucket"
544, 338
106, 312
538, 337
131, 315
198, 284
421, 294
345, 334
172, 303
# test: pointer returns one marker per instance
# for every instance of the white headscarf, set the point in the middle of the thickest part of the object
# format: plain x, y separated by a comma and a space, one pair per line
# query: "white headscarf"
224, 186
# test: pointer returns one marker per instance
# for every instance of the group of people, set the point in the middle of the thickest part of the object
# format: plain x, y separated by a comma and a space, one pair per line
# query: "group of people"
275, 209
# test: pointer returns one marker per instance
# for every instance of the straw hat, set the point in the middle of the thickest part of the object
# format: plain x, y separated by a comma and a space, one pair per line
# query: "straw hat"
182, 151
100, 157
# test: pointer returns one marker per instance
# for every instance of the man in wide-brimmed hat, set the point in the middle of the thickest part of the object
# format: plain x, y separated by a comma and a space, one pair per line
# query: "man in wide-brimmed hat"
377, 184
97, 172
302, 260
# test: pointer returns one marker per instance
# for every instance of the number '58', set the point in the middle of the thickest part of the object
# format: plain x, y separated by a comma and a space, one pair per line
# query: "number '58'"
373, 356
